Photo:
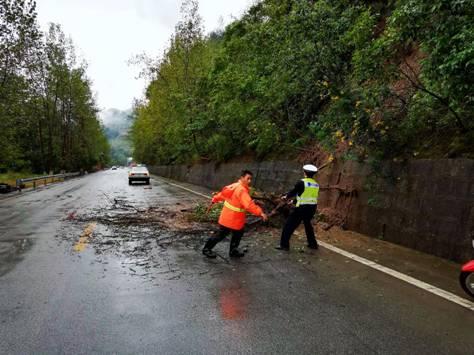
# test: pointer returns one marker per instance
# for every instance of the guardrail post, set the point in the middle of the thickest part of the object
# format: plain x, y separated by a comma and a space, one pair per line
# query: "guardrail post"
34, 184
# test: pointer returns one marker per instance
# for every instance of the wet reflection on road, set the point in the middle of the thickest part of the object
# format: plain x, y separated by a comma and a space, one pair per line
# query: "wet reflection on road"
11, 252
233, 301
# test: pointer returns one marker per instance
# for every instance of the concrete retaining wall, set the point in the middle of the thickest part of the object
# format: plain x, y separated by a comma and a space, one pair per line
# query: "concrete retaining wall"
426, 205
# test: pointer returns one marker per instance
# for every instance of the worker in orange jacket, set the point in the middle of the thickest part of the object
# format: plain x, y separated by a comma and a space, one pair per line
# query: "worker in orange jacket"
237, 202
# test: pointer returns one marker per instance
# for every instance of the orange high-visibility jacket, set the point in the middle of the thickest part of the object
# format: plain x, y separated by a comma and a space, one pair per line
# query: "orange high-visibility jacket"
237, 201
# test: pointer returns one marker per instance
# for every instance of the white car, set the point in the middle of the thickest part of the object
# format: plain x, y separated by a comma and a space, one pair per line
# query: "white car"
138, 173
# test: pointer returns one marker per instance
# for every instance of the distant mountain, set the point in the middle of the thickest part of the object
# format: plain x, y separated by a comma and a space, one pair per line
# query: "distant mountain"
117, 124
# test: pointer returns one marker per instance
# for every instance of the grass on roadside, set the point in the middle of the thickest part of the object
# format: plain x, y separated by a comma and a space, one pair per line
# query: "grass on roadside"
11, 177
201, 213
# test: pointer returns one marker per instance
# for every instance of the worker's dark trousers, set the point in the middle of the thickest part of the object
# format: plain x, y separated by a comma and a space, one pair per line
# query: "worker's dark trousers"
224, 231
300, 214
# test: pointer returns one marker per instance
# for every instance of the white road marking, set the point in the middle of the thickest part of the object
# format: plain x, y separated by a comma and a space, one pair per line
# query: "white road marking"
408, 279
189, 190
411, 280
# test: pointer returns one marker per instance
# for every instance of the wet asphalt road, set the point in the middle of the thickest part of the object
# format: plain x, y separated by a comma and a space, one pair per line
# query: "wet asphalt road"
130, 289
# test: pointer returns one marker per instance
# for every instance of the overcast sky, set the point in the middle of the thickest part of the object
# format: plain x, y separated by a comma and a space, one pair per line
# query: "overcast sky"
107, 33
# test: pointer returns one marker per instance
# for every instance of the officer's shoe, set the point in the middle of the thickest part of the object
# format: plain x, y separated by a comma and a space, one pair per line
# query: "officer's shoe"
282, 248
314, 247
236, 253
209, 253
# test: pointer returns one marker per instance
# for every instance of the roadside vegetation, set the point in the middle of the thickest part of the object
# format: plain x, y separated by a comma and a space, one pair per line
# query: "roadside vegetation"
48, 115
11, 177
374, 79
203, 212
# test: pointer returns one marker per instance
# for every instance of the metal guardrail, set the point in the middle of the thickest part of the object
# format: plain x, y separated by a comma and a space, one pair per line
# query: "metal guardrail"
45, 178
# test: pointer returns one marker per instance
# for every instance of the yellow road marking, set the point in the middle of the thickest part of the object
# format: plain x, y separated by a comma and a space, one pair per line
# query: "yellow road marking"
83, 240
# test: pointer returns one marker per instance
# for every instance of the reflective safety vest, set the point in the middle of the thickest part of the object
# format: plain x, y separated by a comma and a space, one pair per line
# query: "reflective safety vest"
310, 193
233, 208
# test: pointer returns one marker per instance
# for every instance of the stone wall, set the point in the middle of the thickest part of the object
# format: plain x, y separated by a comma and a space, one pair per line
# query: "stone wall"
426, 205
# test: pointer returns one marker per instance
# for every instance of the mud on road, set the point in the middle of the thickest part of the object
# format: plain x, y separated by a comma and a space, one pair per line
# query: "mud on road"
151, 241
140, 237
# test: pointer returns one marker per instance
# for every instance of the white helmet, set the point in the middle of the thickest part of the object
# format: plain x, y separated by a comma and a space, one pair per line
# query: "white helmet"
310, 168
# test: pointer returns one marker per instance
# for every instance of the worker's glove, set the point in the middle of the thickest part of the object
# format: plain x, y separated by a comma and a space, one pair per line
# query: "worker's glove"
283, 197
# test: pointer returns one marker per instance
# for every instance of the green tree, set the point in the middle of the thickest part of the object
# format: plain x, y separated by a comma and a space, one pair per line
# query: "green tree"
367, 76
48, 117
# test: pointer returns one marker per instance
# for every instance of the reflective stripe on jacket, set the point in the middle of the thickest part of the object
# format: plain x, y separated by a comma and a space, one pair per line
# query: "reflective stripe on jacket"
237, 201
310, 193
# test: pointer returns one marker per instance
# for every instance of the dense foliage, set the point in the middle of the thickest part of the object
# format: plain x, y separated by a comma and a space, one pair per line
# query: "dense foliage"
48, 116
384, 79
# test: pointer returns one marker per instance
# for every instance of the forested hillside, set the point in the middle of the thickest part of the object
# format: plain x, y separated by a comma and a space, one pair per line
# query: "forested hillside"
117, 125
48, 115
370, 79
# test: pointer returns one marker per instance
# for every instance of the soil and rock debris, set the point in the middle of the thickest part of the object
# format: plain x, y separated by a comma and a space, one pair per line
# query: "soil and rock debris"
146, 239
150, 240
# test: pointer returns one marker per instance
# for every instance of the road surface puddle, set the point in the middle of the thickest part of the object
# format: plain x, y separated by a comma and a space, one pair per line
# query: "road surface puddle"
143, 240
12, 252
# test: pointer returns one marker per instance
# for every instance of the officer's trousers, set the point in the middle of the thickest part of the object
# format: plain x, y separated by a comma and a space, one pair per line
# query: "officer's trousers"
300, 214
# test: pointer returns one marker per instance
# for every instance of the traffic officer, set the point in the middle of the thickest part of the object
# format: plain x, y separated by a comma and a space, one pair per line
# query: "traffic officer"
237, 202
306, 192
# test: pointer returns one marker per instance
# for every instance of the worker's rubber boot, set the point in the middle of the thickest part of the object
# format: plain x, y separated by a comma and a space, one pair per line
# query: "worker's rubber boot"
314, 247
209, 253
279, 247
236, 253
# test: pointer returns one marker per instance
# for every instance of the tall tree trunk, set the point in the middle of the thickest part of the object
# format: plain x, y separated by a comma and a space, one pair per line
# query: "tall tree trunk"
41, 143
